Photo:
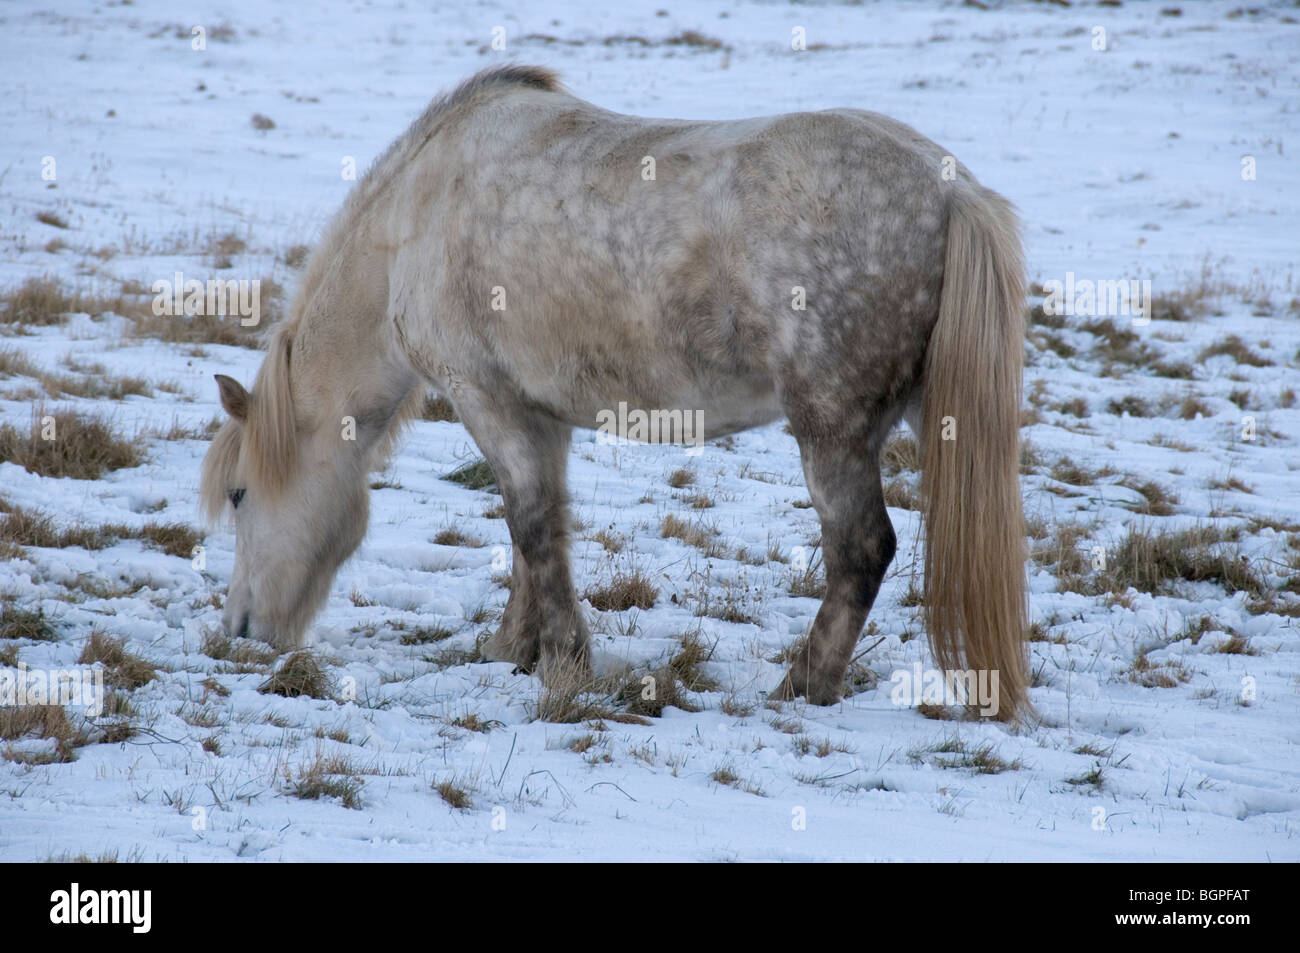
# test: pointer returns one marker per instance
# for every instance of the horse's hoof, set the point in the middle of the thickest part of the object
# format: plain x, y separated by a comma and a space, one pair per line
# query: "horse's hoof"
497, 649
812, 693
824, 697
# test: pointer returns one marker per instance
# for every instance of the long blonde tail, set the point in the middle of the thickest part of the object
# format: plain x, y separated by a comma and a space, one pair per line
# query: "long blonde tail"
975, 602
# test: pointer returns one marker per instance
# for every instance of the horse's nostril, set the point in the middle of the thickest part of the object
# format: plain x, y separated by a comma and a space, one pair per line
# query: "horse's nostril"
243, 628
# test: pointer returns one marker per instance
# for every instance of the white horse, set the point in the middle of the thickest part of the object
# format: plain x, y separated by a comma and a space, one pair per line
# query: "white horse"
540, 260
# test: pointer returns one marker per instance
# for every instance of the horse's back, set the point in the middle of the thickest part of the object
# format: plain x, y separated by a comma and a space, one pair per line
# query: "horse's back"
671, 262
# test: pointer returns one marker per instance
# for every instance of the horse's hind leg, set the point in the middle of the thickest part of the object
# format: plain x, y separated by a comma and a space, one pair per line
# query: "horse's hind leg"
528, 451
858, 543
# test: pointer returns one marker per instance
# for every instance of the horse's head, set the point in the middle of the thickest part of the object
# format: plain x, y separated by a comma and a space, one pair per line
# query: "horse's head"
298, 494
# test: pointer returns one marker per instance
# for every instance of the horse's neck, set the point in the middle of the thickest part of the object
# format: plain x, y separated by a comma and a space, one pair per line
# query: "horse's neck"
346, 358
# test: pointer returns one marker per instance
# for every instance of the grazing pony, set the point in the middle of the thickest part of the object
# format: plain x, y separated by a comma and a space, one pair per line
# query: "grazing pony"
540, 261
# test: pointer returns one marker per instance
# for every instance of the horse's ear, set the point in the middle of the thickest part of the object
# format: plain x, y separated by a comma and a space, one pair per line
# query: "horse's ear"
233, 397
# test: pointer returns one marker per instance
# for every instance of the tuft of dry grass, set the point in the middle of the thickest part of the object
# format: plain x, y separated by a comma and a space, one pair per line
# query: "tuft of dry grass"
1049, 341
1241, 397
1191, 407
735, 604
1182, 305
243, 653
610, 541
300, 675
1236, 645
121, 669
913, 596
475, 475
454, 537
438, 409
696, 39
95, 384
724, 775
1157, 675
703, 538
426, 635
1030, 457
570, 694
41, 722
222, 248
82, 447
1119, 345
174, 539
623, 592
809, 582
14, 363
1234, 347
454, 795
1177, 370
1151, 560
329, 777
667, 687
43, 301
1066, 470
688, 661
16, 623
1131, 405
681, 477
1064, 555
1230, 483
1075, 407
900, 453
899, 493
583, 743
1156, 499
20, 527
472, 722
1038, 315
954, 752
939, 712
1093, 778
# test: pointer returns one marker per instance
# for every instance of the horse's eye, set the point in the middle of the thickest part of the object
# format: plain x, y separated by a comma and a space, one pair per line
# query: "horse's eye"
235, 497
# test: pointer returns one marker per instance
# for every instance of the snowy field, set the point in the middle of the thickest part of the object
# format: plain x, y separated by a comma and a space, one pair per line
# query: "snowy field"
1161, 474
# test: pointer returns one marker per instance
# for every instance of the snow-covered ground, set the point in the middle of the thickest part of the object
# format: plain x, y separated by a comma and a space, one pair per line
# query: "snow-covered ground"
1126, 162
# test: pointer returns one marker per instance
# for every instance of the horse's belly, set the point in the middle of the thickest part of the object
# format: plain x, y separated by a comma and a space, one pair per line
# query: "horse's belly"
665, 403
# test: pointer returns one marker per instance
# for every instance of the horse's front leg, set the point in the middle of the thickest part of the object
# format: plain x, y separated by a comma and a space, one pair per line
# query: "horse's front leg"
528, 452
